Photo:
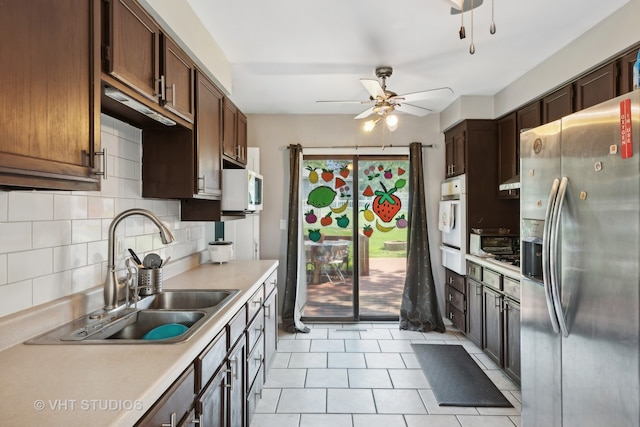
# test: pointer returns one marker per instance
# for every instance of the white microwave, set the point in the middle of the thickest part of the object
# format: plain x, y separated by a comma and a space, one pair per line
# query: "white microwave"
241, 190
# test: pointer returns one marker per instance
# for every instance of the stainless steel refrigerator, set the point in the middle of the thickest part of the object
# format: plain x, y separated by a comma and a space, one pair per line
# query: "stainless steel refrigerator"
580, 237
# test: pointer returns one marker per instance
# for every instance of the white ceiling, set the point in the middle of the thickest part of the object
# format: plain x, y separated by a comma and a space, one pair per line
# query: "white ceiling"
287, 54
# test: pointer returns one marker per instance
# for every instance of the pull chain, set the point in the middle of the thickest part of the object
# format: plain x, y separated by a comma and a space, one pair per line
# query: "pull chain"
472, 47
492, 27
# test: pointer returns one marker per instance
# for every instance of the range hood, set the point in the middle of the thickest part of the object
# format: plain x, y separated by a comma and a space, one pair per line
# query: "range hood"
512, 183
124, 99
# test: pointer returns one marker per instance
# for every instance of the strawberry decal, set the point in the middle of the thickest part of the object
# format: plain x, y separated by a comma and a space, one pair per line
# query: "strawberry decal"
386, 205
344, 172
327, 175
367, 230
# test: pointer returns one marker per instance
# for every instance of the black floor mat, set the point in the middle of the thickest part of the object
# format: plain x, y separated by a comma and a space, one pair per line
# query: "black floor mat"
455, 378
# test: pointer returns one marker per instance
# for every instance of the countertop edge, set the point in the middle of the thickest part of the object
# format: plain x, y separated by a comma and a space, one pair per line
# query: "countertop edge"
494, 266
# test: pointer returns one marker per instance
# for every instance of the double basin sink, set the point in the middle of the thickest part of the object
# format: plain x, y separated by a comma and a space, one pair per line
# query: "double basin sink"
132, 324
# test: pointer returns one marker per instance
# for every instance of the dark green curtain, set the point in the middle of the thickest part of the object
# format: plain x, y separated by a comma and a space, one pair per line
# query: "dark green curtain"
419, 310
291, 313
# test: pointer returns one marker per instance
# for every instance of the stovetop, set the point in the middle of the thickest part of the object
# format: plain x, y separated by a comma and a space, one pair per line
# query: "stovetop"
509, 259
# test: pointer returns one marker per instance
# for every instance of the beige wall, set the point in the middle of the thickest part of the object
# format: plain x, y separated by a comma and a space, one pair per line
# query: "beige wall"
273, 133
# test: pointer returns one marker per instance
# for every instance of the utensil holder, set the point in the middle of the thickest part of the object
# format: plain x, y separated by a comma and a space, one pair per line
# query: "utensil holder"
149, 281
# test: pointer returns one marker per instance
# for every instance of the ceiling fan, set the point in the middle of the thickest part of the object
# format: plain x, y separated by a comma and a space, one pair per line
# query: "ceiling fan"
385, 101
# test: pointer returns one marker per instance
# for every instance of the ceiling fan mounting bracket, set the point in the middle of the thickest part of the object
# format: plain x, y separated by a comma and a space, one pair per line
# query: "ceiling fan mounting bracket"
384, 72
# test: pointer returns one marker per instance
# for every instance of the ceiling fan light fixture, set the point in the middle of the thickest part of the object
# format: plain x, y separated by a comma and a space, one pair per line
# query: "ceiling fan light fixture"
369, 125
392, 122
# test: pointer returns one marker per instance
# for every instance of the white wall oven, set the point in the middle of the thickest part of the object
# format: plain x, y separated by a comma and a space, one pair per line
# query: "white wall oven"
452, 222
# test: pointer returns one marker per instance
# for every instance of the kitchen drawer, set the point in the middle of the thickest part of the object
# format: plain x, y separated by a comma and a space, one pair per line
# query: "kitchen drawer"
255, 360
457, 317
255, 303
253, 397
455, 298
270, 284
474, 271
511, 287
255, 331
491, 278
454, 280
208, 362
237, 326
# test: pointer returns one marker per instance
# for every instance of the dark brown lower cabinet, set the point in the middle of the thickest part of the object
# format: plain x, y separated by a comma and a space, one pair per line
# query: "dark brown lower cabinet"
237, 371
493, 324
456, 304
512, 339
474, 311
176, 405
211, 403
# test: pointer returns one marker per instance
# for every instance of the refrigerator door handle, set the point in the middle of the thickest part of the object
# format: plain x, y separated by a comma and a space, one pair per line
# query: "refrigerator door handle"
553, 254
546, 259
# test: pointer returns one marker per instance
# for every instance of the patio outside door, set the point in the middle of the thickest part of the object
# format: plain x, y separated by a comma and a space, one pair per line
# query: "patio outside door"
355, 236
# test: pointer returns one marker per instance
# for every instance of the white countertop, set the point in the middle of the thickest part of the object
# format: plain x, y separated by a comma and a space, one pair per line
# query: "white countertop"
501, 267
114, 384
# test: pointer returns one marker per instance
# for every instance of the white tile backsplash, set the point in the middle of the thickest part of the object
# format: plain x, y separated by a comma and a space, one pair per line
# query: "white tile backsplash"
16, 236
30, 206
54, 243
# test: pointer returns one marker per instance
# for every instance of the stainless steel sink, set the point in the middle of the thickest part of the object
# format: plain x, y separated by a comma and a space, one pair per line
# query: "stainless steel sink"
128, 325
192, 299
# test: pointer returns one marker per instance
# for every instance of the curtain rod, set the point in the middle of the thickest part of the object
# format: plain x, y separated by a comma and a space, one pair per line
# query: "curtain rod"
368, 146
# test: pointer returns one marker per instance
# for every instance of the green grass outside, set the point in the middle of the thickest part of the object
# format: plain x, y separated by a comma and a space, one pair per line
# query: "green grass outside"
376, 241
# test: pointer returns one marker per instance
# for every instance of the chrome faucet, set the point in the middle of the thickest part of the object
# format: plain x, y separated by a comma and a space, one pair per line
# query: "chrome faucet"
111, 281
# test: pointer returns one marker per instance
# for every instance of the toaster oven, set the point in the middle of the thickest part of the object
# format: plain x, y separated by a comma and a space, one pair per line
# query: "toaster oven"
486, 244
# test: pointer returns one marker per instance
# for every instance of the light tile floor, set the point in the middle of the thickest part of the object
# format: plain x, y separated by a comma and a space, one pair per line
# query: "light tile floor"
365, 375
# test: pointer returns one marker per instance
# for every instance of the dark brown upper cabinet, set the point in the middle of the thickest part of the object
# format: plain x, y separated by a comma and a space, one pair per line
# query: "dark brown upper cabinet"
234, 134
50, 109
147, 65
454, 143
131, 47
179, 163
178, 75
596, 87
507, 153
557, 104
208, 138
625, 83
529, 117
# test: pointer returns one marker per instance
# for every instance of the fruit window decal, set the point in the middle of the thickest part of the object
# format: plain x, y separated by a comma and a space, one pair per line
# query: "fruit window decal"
330, 194
328, 198
384, 211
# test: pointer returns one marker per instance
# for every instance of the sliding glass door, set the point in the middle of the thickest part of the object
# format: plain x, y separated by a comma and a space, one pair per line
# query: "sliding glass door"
355, 234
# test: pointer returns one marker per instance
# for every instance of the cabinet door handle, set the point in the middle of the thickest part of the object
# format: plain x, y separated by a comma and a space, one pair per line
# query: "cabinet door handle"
173, 95
203, 179
234, 363
103, 172
172, 421
267, 309
258, 302
451, 315
450, 297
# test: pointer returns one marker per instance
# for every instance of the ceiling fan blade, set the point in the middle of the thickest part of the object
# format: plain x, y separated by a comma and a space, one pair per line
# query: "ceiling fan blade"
365, 113
374, 88
423, 95
412, 109
457, 5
